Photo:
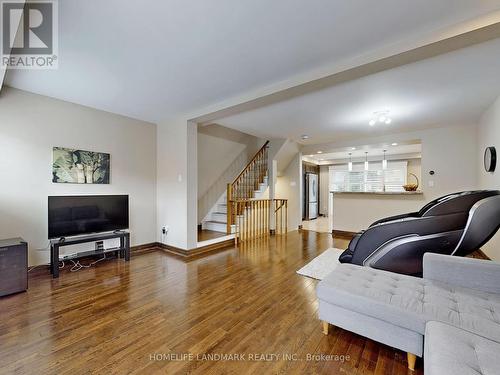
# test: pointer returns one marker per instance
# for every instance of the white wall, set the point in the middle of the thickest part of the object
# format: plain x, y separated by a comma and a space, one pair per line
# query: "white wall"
215, 155
489, 135
30, 125
288, 186
324, 182
222, 155
451, 152
177, 183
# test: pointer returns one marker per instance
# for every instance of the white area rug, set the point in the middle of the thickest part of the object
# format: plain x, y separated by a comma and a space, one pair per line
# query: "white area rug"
322, 265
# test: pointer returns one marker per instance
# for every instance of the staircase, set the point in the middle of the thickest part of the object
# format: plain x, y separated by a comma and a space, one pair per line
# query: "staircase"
251, 183
243, 210
216, 220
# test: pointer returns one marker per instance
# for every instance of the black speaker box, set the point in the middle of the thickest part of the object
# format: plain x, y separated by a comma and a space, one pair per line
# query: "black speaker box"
13, 266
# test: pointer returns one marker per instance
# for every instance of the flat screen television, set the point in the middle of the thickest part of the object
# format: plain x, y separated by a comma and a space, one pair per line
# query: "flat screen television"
85, 214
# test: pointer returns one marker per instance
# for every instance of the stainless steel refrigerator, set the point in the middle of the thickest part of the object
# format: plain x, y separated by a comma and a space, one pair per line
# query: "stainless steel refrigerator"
311, 196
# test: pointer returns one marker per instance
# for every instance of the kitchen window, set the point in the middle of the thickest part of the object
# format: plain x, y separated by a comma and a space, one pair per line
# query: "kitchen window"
374, 180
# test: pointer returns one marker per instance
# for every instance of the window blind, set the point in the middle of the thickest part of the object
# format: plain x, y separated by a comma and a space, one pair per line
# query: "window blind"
376, 179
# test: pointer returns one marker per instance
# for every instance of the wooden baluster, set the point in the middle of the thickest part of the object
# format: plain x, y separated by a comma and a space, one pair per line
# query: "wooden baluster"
267, 217
279, 216
246, 220
253, 219
238, 220
266, 232
259, 165
242, 223
228, 205
257, 213
282, 219
286, 216
283, 213
256, 203
262, 218
275, 206
256, 209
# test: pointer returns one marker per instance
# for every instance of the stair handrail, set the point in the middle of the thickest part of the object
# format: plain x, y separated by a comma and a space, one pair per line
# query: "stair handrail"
250, 162
230, 186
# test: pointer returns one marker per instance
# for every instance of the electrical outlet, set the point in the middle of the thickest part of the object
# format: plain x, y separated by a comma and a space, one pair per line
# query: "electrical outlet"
164, 230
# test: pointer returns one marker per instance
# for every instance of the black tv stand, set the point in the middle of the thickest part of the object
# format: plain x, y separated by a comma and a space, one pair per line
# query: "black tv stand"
123, 251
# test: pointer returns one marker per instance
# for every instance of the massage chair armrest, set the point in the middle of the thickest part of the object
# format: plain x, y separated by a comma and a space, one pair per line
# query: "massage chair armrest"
395, 217
375, 237
346, 256
354, 240
477, 274
404, 254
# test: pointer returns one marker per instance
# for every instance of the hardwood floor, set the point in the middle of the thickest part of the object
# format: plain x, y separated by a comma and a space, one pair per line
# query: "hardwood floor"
205, 234
129, 317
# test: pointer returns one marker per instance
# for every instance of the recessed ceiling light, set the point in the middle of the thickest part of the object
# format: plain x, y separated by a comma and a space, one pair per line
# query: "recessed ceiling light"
394, 144
320, 152
353, 148
310, 156
380, 116
304, 137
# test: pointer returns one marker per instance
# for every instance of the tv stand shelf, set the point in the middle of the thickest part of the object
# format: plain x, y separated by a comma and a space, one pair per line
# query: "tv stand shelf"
123, 251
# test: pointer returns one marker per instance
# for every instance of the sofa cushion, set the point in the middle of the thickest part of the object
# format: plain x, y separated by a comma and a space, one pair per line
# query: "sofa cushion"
411, 302
449, 350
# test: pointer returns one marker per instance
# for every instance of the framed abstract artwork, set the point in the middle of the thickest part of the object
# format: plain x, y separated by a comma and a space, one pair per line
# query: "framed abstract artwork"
80, 167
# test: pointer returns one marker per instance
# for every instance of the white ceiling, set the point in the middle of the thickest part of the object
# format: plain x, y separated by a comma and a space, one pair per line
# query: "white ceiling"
372, 150
153, 59
450, 89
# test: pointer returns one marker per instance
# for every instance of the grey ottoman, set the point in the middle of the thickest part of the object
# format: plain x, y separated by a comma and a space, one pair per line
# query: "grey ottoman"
394, 309
452, 351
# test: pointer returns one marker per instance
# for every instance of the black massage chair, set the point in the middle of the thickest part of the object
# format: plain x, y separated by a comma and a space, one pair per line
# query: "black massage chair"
456, 224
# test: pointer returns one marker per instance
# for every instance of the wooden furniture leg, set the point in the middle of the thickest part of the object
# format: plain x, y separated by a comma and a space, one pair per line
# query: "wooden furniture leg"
326, 327
412, 358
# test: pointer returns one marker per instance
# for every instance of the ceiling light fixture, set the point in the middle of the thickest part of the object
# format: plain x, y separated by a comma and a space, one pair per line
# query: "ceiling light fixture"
353, 148
384, 162
349, 166
381, 117
304, 137
394, 144
320, 152
366, 160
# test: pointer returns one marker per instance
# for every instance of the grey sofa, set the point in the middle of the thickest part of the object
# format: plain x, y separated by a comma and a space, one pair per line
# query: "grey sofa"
453, 351
394, 309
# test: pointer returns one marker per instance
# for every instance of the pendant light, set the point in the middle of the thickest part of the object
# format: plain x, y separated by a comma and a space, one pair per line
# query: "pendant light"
366, 160
349, 166
384, 162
